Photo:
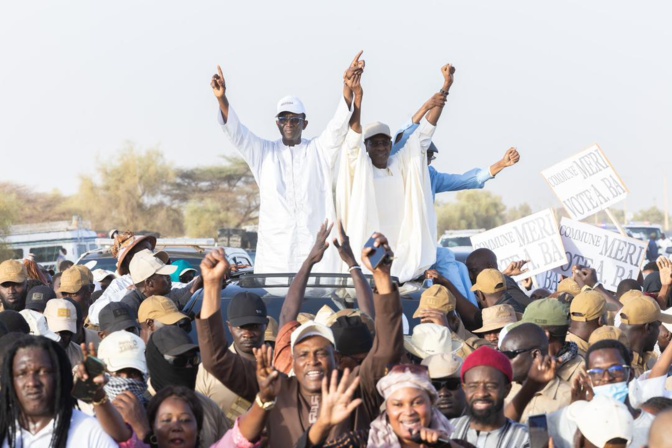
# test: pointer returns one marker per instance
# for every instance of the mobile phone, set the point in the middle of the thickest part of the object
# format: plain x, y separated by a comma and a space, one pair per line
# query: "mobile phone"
538, 431
85, 390
378, 256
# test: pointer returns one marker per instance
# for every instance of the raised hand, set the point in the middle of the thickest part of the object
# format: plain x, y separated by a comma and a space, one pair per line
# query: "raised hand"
344, 249
337, 403
379, 243
352, 76
511, 157
218, 84
543, 369
584, 276
321, 244
665, 269
582, 389
516, 268
433, 317
215, 267
447, 71
267, 376
132, 412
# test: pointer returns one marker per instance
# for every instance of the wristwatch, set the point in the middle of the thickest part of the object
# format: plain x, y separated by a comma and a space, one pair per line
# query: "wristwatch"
265, 406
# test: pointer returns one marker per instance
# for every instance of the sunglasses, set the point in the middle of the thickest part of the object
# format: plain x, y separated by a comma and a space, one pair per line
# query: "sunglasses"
182, 361
291, 120
614, 372
450, 384
513, 353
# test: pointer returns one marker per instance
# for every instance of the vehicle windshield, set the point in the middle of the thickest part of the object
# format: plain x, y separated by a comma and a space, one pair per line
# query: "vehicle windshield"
456, 241
644, 232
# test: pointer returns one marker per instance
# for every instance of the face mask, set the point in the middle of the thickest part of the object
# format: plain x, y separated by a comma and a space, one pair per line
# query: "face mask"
117, 385
617, 391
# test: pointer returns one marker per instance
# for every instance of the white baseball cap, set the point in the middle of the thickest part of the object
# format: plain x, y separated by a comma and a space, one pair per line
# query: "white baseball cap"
429, 339
61, 315
602, 419
123, 350
144, 264
291, 104
101, 274
311, 328
38, 325
376, 128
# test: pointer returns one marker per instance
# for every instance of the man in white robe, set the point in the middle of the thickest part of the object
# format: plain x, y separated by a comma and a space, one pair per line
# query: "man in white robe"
391, 194
294, 176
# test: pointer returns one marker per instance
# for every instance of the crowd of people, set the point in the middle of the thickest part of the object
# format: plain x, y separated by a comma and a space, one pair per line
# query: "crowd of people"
99, 358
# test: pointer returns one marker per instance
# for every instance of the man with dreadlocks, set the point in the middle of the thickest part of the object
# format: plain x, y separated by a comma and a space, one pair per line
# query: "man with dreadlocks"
36, 407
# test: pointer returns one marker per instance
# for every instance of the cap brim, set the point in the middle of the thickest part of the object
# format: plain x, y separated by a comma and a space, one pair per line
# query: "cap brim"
171, 318
137, 364
412, 349
167, 270
13, 279
59, 325
309, 331
181, 349
665, 318
491, 327
247, 320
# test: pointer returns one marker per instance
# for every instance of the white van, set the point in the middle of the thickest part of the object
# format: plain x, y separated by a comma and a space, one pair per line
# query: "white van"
45, 240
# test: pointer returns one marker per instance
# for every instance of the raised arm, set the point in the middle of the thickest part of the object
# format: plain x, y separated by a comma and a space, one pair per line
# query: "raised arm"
218, 85
362, 288
354, 85
511, 157
297, 290
435, 113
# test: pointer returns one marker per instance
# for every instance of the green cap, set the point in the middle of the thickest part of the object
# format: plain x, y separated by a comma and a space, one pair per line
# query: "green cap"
546, 313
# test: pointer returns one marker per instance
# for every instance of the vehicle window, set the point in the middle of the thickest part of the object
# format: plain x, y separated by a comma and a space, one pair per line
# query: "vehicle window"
18, 253
643, 233
93, 246
81, 248
456, 241
45, 254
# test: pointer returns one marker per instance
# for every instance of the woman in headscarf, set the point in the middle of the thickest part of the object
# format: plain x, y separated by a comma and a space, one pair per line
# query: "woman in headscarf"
408, 419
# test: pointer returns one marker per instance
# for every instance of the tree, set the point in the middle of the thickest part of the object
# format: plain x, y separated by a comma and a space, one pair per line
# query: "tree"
653, 215
217, 196
474, 209
518, 212
9, 207
130, 192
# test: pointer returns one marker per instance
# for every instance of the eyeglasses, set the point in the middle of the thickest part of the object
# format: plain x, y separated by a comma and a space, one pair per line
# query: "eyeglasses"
614, 372
182, 361
378, 143
291, 120
450, 384
513, 353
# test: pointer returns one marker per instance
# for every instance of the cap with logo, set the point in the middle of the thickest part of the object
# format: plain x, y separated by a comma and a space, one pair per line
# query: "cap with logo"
642, 310
12, 271
144, 264
246, 308
443, 365
38, 325
608, 332
602, 419
123, 350
588, 305
73, 280
61, 315
497, 317
437, 297
160, 309
173, 341
377, 128
38, 296
429, 339
290, 104
546, 313
490, 281
116, 316
310, 329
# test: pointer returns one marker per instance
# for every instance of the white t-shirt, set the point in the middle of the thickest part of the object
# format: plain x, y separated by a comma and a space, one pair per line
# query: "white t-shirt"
84, 431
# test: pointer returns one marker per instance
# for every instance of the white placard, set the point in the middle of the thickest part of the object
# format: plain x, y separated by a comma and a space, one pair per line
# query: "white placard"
548, 280
615, 257
534, 238
585, 183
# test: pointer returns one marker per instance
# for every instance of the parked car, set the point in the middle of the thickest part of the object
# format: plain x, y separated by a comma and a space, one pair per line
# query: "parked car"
459, 241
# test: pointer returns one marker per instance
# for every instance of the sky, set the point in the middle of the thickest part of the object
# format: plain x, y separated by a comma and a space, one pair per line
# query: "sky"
81, 79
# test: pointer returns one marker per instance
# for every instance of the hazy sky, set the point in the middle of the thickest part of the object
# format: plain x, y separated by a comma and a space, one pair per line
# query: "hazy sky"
80, 78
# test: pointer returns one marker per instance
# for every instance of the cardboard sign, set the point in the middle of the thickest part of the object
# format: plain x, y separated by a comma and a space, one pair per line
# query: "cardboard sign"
534, 238
585, 183
548, 280
615, 257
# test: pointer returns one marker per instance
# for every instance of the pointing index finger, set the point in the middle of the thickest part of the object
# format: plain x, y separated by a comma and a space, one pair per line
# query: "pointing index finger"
355, 62
219, 71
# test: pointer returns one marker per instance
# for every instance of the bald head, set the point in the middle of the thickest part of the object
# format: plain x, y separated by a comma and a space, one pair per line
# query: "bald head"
526, 335
659, 434
480, 259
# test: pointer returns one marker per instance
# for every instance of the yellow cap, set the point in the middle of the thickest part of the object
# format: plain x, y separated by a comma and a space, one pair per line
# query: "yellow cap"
12, 271
588, 305
569, 286
160, 309
436, 298
490, 281
642, 310
73, 280
608, 332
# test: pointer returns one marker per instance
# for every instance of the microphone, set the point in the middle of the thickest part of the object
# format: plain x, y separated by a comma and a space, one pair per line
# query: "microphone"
418, 439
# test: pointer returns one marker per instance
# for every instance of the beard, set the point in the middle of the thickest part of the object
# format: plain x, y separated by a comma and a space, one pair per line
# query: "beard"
15, 306
485, 416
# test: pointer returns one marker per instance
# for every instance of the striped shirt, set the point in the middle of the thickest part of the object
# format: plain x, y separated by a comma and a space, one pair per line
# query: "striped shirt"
512, 434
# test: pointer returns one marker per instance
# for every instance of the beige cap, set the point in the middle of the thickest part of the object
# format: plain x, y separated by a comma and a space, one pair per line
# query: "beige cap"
429, 339
160, 309
73, 280
628, 295
376, 128
569, 286
12, 271
608, 332
61, 315
490, 281
436, 298
310, 329
588, 305
497, 317
642, 310
302, 318
144, 264
443, 365
86, 272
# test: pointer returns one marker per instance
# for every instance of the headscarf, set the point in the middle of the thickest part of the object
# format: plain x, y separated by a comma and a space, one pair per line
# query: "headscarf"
117, 385
163, 374
381, 434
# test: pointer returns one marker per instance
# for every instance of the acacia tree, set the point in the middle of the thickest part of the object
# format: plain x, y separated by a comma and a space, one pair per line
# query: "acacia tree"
130, 192
473, 209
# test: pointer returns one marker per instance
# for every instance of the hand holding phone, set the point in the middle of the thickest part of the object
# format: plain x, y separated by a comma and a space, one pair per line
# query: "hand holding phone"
380, 255
538, 431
